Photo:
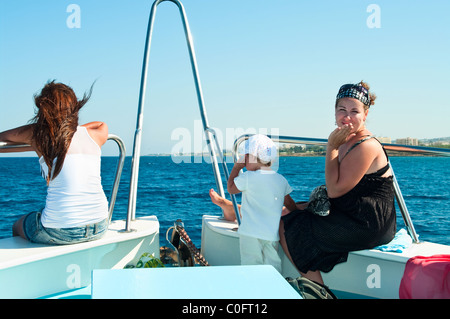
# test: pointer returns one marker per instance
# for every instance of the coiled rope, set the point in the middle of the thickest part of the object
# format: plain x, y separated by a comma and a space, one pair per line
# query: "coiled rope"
179, 228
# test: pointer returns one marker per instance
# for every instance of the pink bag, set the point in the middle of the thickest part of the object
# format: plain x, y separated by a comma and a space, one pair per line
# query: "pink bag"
426, 278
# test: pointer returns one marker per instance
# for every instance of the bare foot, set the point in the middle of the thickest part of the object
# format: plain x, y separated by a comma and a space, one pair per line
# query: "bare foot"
225, 204
217, 199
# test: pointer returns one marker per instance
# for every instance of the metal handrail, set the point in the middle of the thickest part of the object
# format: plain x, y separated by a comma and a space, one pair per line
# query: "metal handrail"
227, 174
115, 188
6, 145
140, 118
392, 147
323, 142
121, 162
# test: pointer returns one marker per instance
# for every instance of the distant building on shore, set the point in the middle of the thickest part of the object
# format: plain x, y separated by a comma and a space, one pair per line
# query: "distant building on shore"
385, 140
408, 141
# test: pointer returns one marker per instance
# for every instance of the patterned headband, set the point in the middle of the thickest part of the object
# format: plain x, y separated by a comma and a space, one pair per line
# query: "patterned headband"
355, 91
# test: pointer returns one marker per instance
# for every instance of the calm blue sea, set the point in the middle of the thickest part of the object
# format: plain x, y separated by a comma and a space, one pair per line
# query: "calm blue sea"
171, 191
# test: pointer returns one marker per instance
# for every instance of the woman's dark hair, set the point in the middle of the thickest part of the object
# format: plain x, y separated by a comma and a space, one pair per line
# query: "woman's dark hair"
372, 95
55, 123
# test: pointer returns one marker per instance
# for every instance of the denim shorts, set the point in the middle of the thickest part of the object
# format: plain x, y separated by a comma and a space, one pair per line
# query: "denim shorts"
37, 233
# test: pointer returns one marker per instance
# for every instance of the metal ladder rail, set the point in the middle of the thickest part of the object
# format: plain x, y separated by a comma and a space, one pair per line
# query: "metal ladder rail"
140, 118
394, 147
115, 188
120, 163
227, 174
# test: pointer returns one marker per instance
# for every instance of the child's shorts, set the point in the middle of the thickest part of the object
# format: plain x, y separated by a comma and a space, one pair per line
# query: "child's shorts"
255, 251
37, 233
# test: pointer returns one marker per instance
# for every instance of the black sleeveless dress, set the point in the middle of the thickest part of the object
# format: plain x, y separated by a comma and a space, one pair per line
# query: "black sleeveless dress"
361, 219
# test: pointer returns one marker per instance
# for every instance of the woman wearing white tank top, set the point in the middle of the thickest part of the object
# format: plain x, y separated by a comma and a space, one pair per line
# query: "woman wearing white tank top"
76, 208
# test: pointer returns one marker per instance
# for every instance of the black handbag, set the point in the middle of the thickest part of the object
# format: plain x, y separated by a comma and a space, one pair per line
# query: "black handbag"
319, 202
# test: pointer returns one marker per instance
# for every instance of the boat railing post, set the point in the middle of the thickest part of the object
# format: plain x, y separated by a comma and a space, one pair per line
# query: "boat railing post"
140, 119
138, 134
121, 161
403, 209
200, 99
226, 173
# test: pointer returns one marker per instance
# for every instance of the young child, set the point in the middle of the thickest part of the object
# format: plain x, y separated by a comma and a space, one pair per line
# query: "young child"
264, 192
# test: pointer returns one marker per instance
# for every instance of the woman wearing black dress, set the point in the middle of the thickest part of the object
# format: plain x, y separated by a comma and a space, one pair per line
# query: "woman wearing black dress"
360, 188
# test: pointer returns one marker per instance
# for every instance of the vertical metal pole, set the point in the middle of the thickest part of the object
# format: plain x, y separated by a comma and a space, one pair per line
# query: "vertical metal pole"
227, 174
201, 104
402, 205
115, 188
138, 134
140, 119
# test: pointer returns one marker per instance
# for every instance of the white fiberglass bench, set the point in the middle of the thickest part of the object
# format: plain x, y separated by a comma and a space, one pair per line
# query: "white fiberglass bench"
29, 270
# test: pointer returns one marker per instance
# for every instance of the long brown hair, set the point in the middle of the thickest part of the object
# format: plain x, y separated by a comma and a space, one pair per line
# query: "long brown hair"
55, 123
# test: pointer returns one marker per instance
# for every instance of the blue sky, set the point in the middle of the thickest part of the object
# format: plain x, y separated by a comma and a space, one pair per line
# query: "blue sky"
263, 65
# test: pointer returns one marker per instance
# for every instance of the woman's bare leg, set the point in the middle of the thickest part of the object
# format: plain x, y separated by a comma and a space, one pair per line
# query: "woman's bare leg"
225, 204
311, 275
314, 276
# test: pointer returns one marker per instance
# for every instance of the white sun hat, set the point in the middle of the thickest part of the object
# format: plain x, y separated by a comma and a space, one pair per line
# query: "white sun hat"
262, 147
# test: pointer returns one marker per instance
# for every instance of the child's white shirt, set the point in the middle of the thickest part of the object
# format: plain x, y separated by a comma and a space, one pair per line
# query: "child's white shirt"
263, 193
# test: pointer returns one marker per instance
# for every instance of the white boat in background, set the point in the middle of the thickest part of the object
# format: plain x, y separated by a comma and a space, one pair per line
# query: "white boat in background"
96, 269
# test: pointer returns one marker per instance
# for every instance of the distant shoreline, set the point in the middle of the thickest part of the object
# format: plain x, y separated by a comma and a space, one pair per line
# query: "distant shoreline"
390, 153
